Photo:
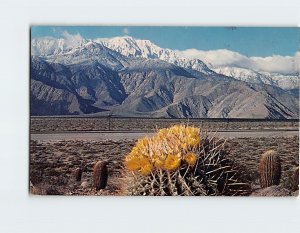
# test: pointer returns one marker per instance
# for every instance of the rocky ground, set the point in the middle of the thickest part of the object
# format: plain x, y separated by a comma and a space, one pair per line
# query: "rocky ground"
52, 163
54, 124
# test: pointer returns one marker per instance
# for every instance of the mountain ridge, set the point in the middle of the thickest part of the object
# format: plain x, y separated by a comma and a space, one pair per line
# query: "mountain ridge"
92, 78
131, 47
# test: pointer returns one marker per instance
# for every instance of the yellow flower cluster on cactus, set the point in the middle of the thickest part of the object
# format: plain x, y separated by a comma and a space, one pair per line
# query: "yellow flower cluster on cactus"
167, 150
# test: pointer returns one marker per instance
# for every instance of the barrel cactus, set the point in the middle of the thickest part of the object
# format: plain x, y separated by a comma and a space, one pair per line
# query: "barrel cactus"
269, 169
183, 160
100, 175
78, 174
296, 179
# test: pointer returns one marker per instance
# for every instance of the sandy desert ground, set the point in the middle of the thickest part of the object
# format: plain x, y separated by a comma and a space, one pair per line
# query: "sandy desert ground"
53, 161
59, 124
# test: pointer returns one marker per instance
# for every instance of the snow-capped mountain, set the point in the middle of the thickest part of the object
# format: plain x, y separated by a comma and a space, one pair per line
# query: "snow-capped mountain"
48, 46
286, 82
149, 88
90, 51
132, 47
129, 77
128, 46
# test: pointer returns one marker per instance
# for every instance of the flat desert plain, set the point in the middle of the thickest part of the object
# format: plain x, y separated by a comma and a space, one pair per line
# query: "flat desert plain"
60, 145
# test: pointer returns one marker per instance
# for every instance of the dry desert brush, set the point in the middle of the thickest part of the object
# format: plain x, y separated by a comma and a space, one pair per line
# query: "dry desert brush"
183, 160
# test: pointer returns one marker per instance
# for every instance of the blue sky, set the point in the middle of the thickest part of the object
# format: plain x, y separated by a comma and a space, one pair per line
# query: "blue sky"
250, 41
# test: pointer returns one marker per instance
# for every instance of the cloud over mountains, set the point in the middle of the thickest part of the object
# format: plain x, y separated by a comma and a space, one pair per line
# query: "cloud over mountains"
224, 57
220, 57
124, 76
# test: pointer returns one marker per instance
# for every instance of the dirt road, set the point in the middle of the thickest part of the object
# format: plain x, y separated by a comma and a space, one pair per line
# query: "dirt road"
118, 135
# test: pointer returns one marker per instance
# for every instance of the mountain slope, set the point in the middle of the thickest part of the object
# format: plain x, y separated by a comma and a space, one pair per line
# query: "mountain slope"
180, 96
48, 46
94, 79
286, 82
78, 89
131, 47
55, 49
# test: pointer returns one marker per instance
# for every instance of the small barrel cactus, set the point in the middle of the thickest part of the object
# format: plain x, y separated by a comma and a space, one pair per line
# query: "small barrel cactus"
78, 174
269, 169
296, 179
182, 160
100, 175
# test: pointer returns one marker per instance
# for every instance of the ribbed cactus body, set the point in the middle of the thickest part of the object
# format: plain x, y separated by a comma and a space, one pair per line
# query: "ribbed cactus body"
296, 179
178, 162
100, 175
269, 169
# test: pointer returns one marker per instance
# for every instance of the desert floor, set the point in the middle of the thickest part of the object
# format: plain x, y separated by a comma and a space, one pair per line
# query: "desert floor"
56, 151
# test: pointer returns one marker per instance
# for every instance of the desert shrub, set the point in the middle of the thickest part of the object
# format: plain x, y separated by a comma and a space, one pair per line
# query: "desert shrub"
183, 160
36, 176
289, 181
53, 190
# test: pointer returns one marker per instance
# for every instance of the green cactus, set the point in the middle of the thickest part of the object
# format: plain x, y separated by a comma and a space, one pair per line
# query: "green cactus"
269, 169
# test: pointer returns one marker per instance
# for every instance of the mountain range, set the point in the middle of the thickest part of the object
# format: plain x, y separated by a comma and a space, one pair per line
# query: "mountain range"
124, 76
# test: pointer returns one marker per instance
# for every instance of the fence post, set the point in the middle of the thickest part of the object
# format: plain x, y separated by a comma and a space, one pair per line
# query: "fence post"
109, 122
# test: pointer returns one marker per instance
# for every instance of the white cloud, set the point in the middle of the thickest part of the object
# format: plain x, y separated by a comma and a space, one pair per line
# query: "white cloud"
275, 63
297, 62
213, 58
72, 40
101, 39
224, 57
126, 31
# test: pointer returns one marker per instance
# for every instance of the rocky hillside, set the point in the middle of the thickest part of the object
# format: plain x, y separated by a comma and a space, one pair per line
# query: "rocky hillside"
91, 78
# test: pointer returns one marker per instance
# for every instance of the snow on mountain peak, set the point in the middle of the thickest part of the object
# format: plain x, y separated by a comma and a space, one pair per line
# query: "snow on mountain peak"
132, 47
250, 76
47, 46
126, 45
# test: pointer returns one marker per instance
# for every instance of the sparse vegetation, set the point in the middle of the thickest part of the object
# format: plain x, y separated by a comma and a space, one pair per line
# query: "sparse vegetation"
52, 163
53, 124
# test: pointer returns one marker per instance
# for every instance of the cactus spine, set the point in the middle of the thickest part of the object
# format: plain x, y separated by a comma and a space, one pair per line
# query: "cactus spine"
269, 169
100, 175
182, 160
